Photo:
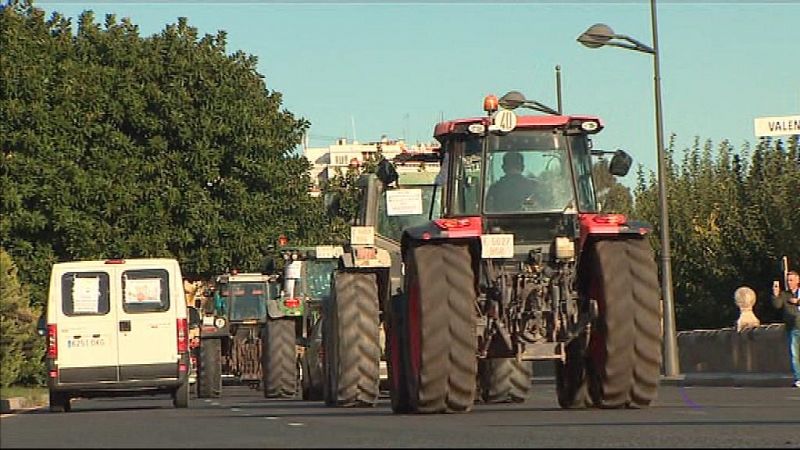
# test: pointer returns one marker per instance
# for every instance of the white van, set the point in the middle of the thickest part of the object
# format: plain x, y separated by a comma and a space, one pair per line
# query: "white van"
117, 328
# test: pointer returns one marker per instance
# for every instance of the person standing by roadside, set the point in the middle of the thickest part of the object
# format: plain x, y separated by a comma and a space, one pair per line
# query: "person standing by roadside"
788, 302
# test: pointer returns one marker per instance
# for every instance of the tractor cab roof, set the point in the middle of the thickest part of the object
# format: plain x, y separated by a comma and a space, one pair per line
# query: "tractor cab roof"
459, 126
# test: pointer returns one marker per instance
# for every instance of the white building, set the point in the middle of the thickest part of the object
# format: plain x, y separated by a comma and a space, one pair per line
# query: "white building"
325, 160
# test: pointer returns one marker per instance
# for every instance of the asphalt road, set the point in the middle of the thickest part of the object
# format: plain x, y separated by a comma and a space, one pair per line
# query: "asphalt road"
682, 417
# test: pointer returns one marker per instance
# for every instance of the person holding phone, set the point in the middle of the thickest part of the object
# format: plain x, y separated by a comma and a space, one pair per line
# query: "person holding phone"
788, 302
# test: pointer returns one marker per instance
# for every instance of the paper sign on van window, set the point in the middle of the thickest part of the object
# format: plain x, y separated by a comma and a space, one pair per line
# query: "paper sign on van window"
143, 291
86, 295
403, 202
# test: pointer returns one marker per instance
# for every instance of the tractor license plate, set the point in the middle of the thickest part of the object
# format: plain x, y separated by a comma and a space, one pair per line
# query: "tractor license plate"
497, 246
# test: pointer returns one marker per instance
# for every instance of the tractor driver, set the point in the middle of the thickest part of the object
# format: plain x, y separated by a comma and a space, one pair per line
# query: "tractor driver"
513, 189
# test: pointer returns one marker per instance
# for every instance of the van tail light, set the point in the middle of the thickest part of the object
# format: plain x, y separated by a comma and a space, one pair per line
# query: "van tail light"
183, 336
52, 341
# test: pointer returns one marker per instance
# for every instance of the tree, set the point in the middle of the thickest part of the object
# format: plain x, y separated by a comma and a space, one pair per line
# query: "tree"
21, 350
731, 220
117, 145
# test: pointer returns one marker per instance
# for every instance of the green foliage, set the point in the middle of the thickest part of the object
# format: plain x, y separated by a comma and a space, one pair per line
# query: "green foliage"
21, 349
731, 221
117, 145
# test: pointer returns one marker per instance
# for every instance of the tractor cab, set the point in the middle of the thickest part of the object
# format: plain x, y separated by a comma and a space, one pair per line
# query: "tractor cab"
245, 296
526, 176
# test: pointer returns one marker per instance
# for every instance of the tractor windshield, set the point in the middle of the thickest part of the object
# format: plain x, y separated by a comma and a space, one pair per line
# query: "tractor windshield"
318, 277
525, 171
246, 301
392, 223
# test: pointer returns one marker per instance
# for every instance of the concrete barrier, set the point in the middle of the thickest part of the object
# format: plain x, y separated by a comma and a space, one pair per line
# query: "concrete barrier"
756, 356
762, 349
8, 405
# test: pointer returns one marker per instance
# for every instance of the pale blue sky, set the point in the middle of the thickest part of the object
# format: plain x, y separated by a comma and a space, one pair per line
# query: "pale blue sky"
374, 68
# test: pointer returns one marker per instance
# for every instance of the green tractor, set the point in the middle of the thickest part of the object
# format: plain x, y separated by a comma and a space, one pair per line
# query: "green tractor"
307, 277
248, 334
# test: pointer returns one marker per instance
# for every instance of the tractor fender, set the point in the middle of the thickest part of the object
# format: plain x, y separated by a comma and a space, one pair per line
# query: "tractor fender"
609, 226
348, 260
431, 231
274, 310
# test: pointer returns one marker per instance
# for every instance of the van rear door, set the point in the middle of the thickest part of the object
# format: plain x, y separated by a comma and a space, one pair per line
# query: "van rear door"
147, 323
86, 329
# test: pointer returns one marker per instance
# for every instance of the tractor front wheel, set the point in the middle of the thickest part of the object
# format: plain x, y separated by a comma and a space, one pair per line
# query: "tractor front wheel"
571, 375
351, 338
209, 369
278, 359
504, 380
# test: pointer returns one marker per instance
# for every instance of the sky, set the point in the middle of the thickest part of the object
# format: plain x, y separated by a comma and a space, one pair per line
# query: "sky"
368, 69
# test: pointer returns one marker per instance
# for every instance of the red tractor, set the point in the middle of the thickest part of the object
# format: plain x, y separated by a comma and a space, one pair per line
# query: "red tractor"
522, 265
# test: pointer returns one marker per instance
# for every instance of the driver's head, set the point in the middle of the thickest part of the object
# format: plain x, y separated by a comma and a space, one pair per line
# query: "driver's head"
513, 163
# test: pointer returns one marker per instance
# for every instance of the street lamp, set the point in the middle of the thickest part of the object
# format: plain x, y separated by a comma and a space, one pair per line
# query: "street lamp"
597, 36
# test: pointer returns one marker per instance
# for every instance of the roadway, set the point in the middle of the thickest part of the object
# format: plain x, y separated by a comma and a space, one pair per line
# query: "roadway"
724, 417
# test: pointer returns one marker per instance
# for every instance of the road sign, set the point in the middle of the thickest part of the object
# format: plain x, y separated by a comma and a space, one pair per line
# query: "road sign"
504, 120
777, 126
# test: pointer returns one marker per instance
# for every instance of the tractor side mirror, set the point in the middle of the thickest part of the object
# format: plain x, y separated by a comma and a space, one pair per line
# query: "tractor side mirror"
194, 317
332, 204
386, 172
41, 325
620, 163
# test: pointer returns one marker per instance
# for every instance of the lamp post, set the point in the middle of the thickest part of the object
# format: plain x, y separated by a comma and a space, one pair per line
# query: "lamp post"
597, 36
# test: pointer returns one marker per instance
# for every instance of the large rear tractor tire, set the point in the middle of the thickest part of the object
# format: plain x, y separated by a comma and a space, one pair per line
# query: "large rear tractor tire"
646, 289
625, 344
504, 380
351, 338
209, 369
441, 368
279, 359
